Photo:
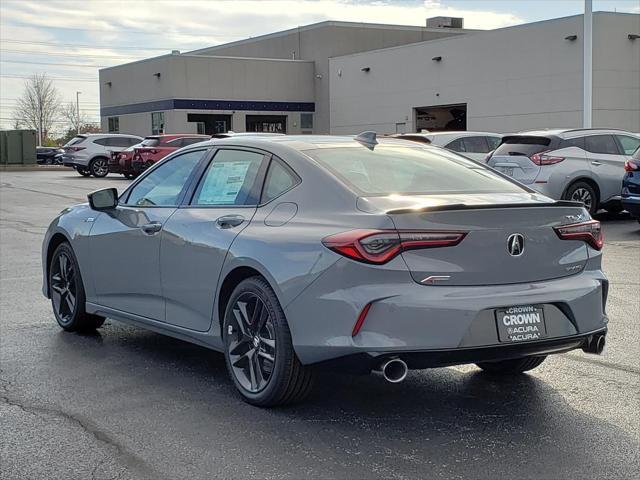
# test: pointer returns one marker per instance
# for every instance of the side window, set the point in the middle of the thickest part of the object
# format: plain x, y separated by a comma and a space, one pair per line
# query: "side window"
177, 143
601, 144
119, 141
456, 146
133, 141
279, 180
162, 187
102, 141
573, 142
628, 144
157, 123
230, 179
493, 142
476, 144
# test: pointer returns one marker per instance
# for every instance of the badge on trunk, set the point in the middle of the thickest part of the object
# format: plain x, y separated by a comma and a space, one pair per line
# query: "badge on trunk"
515, 244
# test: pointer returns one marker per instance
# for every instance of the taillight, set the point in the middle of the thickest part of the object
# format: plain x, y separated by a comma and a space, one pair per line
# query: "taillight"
590, 232
76, 149
380, 246
541, 158
631, 166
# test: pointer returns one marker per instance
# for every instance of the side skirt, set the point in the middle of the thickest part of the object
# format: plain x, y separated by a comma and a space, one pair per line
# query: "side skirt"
198, 338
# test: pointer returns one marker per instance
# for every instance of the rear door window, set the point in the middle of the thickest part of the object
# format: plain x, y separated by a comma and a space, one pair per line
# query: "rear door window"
605, 144
493, 142
524, 145
230, 179
102, 141
192, 140
573, 142
456, 146
75, 141
628, 144
476, 144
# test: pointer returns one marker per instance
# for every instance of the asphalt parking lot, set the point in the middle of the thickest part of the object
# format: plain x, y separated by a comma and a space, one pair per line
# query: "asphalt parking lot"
128, 404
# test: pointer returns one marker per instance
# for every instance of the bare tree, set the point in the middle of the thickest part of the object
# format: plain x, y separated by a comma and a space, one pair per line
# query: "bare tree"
39, 105
69, 113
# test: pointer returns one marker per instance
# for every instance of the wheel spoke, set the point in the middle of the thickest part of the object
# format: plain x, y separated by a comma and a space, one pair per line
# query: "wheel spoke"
260, 380
234, 346
240, 314
266, 355
62, 261
262, 320
268, 341
256, 315
71, 301
57, 288
252, 370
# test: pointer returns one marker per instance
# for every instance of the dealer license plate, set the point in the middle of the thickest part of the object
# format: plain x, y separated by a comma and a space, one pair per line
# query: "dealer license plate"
523, 323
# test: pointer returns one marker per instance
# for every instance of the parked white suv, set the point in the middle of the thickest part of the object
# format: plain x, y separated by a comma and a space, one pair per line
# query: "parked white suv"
585, 165
89, 153
473, 145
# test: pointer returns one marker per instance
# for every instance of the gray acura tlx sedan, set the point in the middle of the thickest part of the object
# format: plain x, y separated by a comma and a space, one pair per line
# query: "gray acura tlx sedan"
290, 253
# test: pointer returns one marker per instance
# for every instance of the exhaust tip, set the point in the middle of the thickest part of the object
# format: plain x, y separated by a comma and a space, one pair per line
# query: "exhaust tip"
595, 344
394, 370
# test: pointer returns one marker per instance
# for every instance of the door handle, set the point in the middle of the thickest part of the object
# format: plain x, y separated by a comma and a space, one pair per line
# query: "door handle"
596, 163
230, 221
151, 228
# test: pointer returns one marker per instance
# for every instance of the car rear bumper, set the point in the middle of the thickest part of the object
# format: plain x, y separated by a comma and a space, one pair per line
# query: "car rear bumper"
408, 317
367, 361
631, 203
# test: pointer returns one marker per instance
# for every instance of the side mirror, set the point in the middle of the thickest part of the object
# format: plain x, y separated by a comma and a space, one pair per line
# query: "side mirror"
104, 199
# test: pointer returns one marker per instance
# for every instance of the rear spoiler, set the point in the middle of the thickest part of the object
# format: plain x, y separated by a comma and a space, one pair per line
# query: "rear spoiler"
464, 206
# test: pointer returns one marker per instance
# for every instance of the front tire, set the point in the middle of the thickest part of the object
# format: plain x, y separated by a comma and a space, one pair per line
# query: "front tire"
258, 348
83, 171
584, 193
511, 367
67, 292
99, 167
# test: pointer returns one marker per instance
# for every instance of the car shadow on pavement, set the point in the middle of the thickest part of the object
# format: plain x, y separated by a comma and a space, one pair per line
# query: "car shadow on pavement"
446, 421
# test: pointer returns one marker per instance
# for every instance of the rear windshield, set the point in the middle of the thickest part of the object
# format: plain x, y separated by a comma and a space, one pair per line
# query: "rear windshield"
150, 142
75, 141
405, 170
522, 145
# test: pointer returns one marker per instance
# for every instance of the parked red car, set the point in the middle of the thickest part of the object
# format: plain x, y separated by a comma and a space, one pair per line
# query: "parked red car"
157, 147
120, 162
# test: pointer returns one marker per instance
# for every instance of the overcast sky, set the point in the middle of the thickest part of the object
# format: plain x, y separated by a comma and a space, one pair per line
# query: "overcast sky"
70, 39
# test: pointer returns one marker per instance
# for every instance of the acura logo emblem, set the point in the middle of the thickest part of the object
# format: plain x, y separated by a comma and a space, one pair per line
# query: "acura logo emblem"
515, 244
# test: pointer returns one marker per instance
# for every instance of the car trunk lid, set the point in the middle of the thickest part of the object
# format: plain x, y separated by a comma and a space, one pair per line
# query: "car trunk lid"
485, 255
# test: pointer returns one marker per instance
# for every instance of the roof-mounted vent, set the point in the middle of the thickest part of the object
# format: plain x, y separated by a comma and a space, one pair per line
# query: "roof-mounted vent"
368, 139
445, 22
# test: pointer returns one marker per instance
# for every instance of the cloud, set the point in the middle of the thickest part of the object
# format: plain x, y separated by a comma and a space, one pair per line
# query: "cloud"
136, 29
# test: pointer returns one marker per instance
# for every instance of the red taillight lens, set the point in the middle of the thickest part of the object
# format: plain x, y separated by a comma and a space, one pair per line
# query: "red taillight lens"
541, 158
590, 232
380, 246
76, 149
631, 166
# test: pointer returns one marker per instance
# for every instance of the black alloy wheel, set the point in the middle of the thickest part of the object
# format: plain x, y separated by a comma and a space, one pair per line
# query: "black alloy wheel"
67, 292
251, 342
258, 348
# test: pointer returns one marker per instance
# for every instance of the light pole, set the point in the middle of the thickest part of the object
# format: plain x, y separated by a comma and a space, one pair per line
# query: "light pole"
587, 65
78, 112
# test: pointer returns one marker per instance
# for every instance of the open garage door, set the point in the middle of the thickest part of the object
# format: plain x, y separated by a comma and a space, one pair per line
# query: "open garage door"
441, 117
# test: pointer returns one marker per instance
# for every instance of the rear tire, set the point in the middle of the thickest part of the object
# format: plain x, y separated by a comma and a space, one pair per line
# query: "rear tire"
99, 167
67, 292
258, 348
512, 367
130, 176
584, 193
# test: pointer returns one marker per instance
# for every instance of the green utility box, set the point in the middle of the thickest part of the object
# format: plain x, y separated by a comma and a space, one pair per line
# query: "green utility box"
18, 147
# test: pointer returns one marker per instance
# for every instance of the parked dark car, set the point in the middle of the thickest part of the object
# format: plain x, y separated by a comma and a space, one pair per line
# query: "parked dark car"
631, 186
49, 155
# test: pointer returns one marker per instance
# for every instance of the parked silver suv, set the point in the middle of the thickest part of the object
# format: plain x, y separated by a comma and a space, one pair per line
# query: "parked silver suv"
585, 165
89, 153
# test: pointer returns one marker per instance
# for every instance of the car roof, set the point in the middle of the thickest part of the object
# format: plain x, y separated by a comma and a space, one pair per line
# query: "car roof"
91, 135
302, 142
461, 133
572, 132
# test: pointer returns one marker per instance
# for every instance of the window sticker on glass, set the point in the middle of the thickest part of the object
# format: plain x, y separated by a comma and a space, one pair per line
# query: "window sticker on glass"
224, 183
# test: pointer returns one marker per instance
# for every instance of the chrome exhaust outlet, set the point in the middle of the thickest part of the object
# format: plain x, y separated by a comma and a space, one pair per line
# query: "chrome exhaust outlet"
394, 370
595, 345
